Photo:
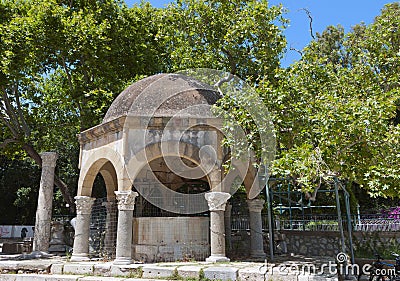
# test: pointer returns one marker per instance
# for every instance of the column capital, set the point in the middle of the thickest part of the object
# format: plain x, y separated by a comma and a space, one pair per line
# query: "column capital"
217, 200
126, 200
49, 159
256, 205
84, 204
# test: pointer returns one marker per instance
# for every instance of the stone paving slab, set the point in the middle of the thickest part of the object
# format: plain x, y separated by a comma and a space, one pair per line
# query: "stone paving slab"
252, 274
78, 268
155, 271
107, 271
221, 273
189, 271
39, 277
131, 270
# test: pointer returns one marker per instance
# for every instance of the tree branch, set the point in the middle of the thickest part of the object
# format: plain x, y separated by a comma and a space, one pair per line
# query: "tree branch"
297, 50
6, 142
311, 20
25, 126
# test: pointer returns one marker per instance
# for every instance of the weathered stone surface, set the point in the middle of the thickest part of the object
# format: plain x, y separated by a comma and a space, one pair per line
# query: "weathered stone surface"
45, 203
189, 271
57, 268
103, 269
39, 277
78, 268
256, 234
28, 265
131, 270
152, 271
252, 274
99, 278
216, 203
221, 273
81, 242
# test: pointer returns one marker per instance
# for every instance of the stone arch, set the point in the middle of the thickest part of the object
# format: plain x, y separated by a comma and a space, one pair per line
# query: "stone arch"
109, 164
153, 151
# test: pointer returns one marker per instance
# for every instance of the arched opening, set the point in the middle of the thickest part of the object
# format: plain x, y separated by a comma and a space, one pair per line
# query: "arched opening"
152, 198
175, 235
100, 183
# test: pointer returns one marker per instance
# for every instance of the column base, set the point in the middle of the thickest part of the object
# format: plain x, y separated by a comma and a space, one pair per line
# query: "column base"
79, 257
217, 259
122, 261
258, 255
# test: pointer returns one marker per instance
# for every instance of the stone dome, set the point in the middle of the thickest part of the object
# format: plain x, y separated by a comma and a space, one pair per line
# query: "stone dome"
164, 95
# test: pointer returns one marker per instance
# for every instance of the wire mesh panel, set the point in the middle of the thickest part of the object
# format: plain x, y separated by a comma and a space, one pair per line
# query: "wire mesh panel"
103, 228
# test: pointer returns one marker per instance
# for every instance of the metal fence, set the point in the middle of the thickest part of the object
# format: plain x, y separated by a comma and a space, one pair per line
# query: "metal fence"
363, 222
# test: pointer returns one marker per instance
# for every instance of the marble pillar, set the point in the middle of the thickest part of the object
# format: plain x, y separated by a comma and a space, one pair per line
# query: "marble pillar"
126, 205
82, 228
111, 227
228, 229
256, 235
216, 203
45, 203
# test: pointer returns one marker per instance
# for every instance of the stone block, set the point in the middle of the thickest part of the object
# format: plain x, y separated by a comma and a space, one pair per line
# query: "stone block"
152, 271
78, 268
57, 268
315, 277
252, 274
39, 277
221, 273
189, 271
130, 270
99, 278
303, 277
8, 277
103, 269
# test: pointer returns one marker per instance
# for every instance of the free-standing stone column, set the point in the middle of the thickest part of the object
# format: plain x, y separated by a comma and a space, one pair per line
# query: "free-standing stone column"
228, 230
216, 203
126, 204
111, 227
82, 228
41, 238
256, 235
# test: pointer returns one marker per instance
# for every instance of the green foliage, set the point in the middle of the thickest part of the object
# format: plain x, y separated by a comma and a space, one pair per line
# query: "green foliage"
241, 37
335, 109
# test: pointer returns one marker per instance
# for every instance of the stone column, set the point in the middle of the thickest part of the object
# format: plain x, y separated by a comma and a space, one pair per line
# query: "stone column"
41, 238
216, 203
256, 235
82, 228
228, 230
126, 204
111, 227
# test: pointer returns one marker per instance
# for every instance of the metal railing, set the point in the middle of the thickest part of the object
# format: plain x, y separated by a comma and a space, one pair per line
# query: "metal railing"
367, 223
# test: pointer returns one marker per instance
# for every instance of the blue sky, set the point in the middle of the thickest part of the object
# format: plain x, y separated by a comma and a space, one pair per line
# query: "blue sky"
324, 13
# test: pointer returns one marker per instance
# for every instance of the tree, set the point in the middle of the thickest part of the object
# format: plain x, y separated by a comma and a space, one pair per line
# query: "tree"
337, 109
62, 64
241, 37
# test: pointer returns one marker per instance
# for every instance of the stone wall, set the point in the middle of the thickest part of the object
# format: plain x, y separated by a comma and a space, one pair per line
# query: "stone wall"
170, 238
327, 243
320, 243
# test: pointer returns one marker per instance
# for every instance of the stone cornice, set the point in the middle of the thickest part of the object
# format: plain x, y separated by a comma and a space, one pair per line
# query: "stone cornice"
98, 131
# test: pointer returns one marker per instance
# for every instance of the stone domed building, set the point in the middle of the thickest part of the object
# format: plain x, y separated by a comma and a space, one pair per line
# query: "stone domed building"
159, 148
